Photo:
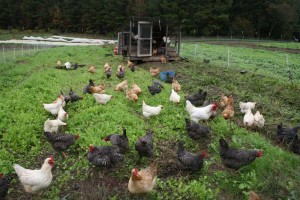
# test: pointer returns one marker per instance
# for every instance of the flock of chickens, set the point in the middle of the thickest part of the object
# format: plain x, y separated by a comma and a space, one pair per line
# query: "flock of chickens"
143, 181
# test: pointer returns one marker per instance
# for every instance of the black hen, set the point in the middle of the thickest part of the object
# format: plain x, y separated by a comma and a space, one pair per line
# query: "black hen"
287, 134
104, 156
155, 88
4, 185
67, 97
61, 142
189, 161
144, 145
197, 99
119, 141
86, 89
237, 158
196, 131
74, 96
295, 147
121, 73
108, 73
169, 78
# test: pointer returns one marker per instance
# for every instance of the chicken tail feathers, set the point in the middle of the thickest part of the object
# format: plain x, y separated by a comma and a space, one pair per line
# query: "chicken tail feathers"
223, 144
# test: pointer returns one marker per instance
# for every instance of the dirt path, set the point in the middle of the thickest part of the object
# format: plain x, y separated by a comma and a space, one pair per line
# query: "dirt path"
254, 46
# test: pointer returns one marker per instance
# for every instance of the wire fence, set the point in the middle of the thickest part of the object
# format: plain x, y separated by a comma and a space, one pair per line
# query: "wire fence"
12, 52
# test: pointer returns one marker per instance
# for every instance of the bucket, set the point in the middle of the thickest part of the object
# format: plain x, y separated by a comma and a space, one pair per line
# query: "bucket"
163, 75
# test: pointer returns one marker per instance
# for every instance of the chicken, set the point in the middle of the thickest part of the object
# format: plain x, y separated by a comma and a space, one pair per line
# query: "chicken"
108, 73
121, 72
144, 145
253, 196
259, 120
86, 89
237, 158
62, 115
175, 85
200, 113
106, 66
92, 69
169, 78
143, 181
68, 65
53, 125
98, 89
104, 156
174, 97
295, 147
154, 72
4, 185
132, 96
74, 96
197, 99
245, 106
59, 64
102, 98
131, 65
163, 59
155, 88
136, 89
287, 134
121, 86
61, 142
36, 180
149, 111
224, 100
119, 141
196, 131
67, 98
188, 160
248, 118
228, 112
54, 107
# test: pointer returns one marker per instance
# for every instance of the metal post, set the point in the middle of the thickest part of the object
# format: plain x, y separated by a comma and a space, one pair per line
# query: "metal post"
22, 51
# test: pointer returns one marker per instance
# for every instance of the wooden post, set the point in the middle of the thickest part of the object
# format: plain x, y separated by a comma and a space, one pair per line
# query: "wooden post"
22, 51
130, 35
14, 52
3, 54
228, 57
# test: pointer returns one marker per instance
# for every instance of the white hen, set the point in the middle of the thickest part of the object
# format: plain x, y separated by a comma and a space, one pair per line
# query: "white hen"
248, 118
102, 98
62, 115
68, 65
54, 107
201, 113
38, 179
149, 111
245, 106
174, 97
259, 120
52, 126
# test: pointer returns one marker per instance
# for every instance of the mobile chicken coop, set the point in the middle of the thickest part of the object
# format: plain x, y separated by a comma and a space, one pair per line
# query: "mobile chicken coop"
146, 39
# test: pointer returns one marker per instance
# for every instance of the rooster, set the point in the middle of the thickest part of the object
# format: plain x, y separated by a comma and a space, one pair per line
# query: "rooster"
61, 142
102, 98
259, 120
104, 156
149, 111
4, 185
196, 131
62, 115
197, 99
248, 118
119, 141
245, 106
74, 96
237, 158
55, 106
143, 181
174, 97
189, 161
144, 145
36, 180
200, 113
86, 89
287, 134
53, 125
121, 86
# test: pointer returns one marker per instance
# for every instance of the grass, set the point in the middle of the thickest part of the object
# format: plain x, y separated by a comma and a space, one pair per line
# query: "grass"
30, 81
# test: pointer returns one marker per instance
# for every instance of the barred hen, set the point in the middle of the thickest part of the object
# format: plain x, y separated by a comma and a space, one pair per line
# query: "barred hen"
74, 96
287, 134
189, 161
119, 141
237, 158
86, 89
104, 156
4, 185
61, 142
144, 145
197, 99
196, 131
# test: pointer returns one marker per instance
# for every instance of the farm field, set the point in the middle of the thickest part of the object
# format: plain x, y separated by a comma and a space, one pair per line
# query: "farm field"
270, 80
